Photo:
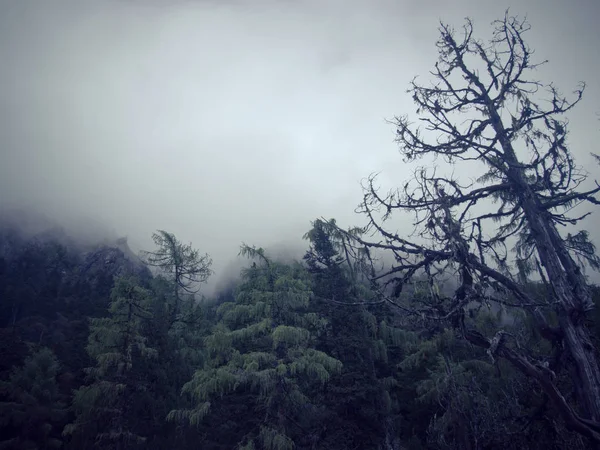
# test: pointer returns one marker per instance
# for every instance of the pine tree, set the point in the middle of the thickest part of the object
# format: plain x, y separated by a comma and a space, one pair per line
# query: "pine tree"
31, 410
263, 346
117, 345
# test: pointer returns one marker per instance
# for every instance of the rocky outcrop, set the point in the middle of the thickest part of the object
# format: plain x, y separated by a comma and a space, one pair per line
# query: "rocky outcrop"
113, 260
79, 263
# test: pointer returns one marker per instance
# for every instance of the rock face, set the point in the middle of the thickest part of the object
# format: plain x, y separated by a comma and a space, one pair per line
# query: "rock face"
93, 264
51, 283
112, 261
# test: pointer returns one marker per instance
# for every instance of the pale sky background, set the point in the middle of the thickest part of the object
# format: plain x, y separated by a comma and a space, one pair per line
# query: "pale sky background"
230, 121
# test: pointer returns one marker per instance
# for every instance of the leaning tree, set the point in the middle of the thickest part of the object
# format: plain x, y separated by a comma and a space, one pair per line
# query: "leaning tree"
484, 109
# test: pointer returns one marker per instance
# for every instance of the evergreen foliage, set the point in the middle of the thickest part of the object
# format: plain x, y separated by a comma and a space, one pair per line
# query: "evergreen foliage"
179, 262
263, 344
31, 409
298, 355
116, 345
358, 401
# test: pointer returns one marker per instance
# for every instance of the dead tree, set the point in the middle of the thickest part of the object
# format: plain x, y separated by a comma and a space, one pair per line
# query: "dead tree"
484, 111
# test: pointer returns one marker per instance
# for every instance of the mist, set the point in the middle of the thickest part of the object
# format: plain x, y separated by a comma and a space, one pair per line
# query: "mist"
231, 121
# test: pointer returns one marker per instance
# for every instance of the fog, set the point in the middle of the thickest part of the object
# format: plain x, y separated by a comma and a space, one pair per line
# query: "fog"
236, 121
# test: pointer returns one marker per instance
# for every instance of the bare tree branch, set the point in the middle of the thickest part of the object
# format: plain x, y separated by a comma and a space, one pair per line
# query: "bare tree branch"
484, 108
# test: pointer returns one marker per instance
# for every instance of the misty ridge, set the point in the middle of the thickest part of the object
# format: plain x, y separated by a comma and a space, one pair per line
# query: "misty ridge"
310, 225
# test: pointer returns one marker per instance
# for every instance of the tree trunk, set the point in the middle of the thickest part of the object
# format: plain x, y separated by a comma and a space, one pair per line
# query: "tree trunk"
572, 295
567, 282
573, 421
391, 442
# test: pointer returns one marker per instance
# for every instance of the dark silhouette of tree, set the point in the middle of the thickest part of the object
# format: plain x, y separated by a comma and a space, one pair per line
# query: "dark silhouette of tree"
484, 110
180, 263
359, 403
32, 412
116, 343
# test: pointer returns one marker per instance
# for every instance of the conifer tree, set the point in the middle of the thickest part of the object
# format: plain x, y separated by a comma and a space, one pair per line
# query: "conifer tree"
116, 344
359, 400
263, 346
180, 351
31, 410
179, 319
486, 111
181, 264
456, 396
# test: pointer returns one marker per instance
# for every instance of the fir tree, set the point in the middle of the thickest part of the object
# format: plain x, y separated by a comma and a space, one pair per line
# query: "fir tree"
358, 403
263, 345
117, 345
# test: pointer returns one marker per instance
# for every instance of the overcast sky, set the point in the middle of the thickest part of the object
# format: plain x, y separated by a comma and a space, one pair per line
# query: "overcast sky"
230, 121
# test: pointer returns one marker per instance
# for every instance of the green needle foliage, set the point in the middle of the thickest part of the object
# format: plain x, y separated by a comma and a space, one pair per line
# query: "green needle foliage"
31, 409
264, 345
117, 345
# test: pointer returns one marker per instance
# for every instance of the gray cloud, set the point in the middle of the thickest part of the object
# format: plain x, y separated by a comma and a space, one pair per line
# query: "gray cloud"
234, 121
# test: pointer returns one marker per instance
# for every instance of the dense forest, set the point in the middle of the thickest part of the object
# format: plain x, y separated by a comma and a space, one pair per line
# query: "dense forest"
479, 329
